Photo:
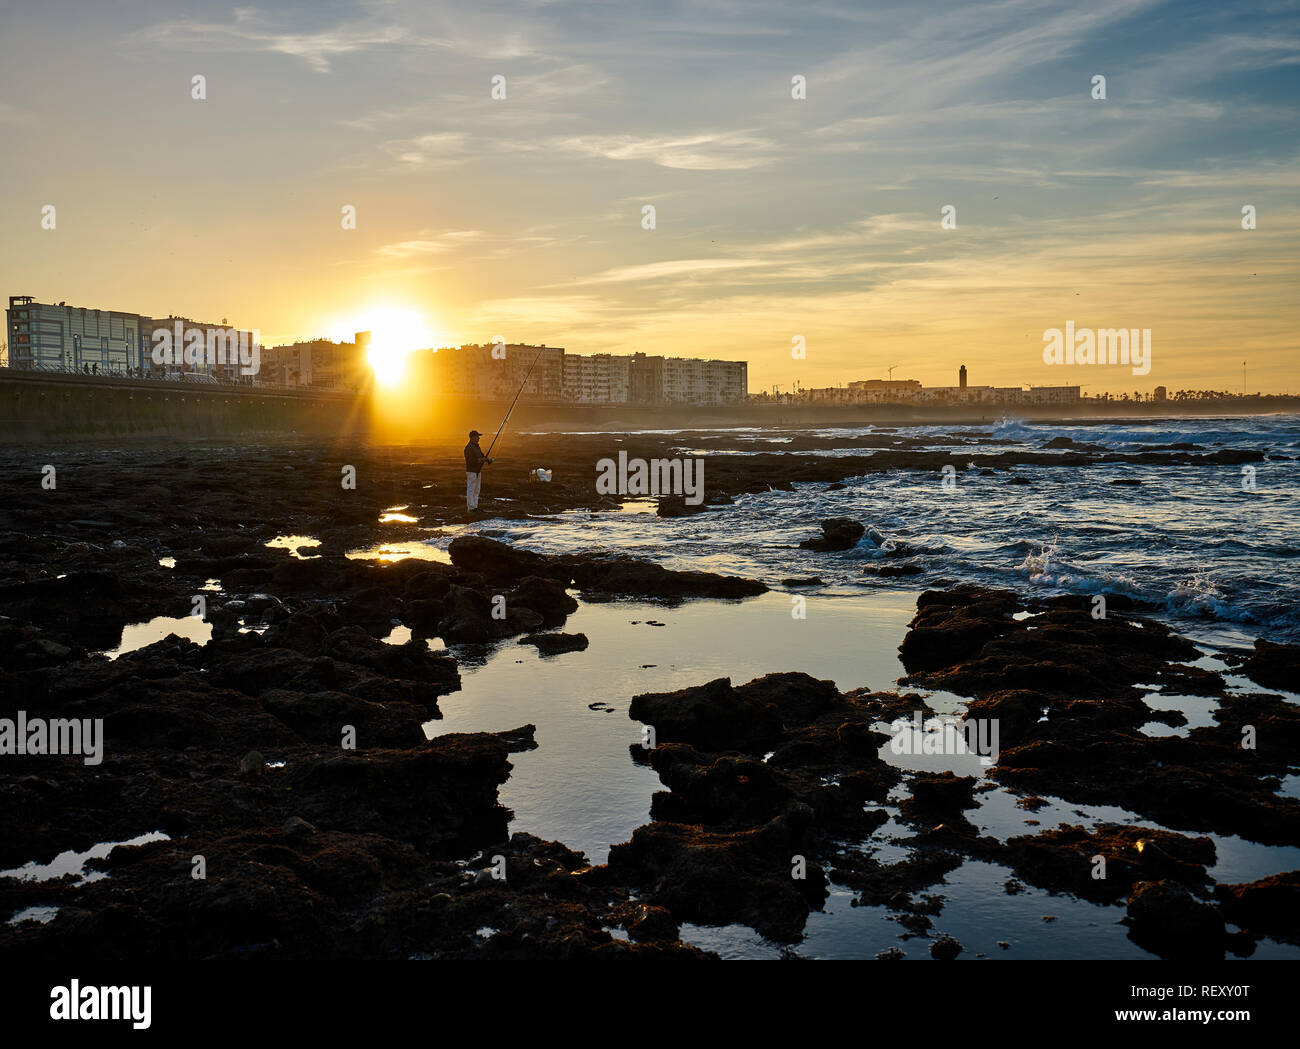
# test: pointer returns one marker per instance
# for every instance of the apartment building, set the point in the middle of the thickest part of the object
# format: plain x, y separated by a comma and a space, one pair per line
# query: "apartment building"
687, 380
870, 390
188, 347
1053, 394
601, 378
493, 373
59, 337
693, 381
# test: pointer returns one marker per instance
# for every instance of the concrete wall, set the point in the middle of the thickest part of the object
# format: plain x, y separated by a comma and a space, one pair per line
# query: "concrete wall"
37, 407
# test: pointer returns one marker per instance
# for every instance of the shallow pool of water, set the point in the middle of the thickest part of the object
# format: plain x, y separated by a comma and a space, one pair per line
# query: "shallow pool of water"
140, 635
581, 787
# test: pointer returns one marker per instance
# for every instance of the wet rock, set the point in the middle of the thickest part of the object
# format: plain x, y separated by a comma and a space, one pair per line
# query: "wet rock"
755, 822
945, 949
500, 563
319, 717
716, 716
441, 797
545, 597
1268, 907
297, 827
1192, 783
467, 616
1274, 665
524, 620
24, 648
428, 583
1070, 442
1071, 859
886, 571
1166, 918
967, 641
646, 579
653, 923
838, 533
554, 644
953, 625
1015, 710
1271, 723
893, 884
677, 506
305, 631
423, 617
944, 792
407, 662
726, 791
252, 763
91, 605
253, 668
258, 603
721, 878
374, 609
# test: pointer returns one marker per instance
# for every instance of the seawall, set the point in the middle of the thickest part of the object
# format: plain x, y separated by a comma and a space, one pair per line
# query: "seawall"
39, 407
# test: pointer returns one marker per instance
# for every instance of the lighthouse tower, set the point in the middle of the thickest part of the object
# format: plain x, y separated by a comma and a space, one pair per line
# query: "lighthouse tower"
961, 377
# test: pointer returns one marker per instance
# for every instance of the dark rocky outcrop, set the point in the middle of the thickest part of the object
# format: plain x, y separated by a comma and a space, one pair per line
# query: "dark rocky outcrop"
739, 835
555, 644
630, 577
838, 533
1274, 665
1270, 906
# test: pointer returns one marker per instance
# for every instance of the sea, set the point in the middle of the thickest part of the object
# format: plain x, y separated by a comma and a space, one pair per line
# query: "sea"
1212, 547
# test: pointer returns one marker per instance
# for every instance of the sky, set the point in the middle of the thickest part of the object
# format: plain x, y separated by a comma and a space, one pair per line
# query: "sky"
775, 217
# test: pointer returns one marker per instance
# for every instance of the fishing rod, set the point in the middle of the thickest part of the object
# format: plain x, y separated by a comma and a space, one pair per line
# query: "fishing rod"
509, 412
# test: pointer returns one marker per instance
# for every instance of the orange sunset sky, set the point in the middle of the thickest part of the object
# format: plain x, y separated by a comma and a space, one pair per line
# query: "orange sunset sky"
775, 216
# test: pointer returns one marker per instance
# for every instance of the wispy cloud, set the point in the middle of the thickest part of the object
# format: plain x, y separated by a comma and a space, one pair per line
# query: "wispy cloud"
250, 31
708, 151
669, 269
409, 249
439, 149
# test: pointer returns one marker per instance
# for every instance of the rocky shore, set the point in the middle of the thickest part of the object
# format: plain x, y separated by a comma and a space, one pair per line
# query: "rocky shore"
236, 750
285, 761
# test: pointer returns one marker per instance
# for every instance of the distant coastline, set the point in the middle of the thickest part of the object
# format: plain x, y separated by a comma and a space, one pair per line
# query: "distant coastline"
40, 407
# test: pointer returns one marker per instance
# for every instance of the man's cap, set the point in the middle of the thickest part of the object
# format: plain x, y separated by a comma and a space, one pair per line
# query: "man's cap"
475, 433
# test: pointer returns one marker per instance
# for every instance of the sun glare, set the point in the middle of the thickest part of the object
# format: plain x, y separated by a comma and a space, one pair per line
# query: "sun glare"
394, 334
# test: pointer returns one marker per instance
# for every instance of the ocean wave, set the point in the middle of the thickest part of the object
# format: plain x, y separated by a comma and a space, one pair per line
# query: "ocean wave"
1197, 596
1038, 559
1009, 427
1200, 595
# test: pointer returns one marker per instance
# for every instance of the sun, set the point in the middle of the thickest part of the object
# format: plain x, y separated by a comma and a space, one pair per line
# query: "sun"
395, 332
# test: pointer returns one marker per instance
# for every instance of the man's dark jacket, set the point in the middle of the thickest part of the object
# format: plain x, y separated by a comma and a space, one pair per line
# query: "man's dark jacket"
474, 458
